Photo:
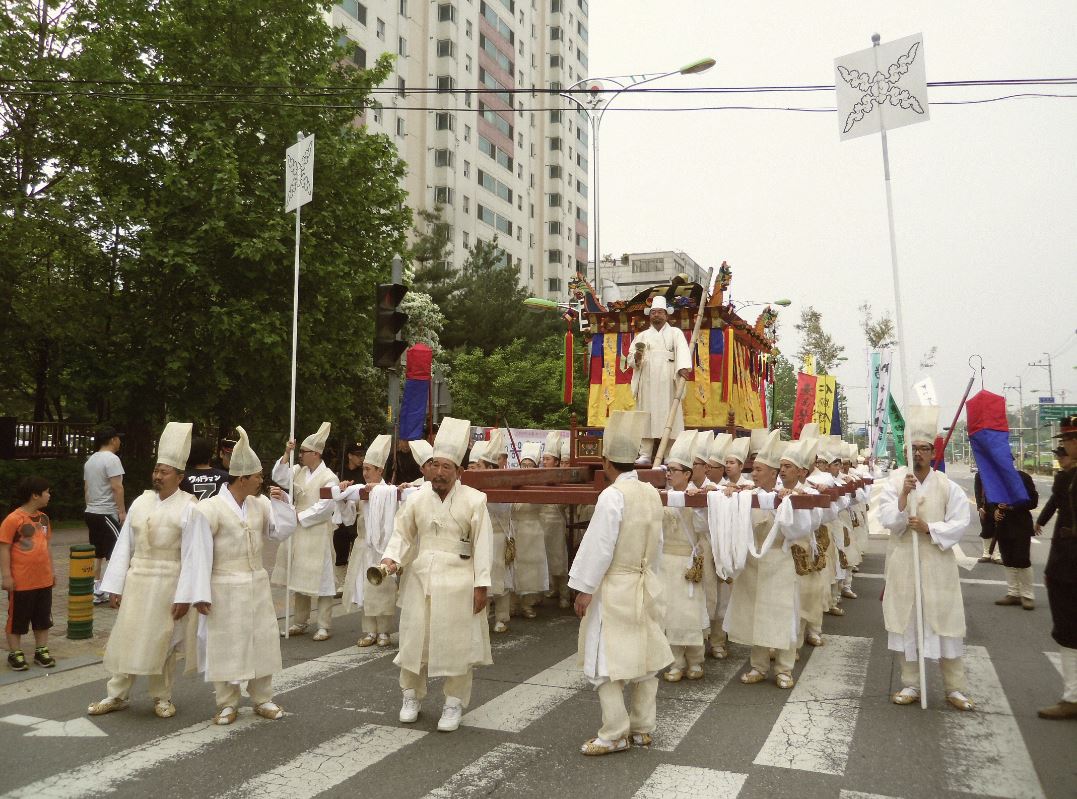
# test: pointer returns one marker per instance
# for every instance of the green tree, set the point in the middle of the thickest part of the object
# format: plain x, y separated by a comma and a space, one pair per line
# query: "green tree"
878, 332
520, 383
173, 279
816, 341
783, 394
485, 307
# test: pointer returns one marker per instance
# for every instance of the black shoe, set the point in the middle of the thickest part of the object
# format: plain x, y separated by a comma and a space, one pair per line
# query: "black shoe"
43, 658
17, 661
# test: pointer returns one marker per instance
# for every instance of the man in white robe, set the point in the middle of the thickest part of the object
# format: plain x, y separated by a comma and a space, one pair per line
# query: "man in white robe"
531, 574
554, 519
443, 539
763, 609
659, 354
142, 576
927, 504
374, 522
309, 575
225, 579
504, 552
686, 620
616, 572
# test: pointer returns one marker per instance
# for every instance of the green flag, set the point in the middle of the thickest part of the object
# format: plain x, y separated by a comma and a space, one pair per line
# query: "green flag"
897, 427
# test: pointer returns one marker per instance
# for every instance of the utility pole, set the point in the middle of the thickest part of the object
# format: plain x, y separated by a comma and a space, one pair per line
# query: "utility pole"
1020, 416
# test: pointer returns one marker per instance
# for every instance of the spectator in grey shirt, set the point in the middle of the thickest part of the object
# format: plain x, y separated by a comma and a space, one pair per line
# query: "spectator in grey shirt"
102, 480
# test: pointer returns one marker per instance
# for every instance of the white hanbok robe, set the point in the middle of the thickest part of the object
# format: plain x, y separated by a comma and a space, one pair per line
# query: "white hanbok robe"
945, 507
312, 544
238, 639
145, 570
621, 635
375, 518
438, 626
654, 379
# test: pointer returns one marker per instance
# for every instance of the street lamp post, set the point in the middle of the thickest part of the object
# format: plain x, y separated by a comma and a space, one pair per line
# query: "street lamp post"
600, 93
1019, 388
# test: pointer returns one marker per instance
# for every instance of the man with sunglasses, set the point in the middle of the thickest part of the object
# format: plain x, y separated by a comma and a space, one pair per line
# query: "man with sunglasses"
923, 502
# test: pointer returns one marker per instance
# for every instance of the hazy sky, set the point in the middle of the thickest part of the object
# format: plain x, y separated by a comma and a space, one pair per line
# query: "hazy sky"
985, 195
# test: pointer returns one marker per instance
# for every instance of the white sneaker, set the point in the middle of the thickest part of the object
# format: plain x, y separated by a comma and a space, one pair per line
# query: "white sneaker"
450, 716
409, 708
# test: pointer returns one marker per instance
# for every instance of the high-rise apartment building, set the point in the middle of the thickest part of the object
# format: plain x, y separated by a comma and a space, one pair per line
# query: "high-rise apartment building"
635, 271
499, 161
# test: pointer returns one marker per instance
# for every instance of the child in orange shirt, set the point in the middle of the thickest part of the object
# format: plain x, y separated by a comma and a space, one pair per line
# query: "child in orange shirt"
26, 565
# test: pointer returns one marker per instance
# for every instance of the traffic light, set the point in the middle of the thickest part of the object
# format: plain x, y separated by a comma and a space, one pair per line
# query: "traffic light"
388, 322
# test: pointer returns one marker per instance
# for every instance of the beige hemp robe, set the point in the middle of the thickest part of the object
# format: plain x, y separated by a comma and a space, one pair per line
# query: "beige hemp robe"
438, 625
145, 570
312, 543
238, 639
621, 636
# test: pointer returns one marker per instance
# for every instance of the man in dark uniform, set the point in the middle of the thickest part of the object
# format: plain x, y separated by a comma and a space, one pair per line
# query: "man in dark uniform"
202, 479
986, 512
1013, 533
1061, 575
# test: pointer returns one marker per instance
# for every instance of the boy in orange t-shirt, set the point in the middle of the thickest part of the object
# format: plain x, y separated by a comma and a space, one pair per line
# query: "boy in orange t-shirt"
26, 566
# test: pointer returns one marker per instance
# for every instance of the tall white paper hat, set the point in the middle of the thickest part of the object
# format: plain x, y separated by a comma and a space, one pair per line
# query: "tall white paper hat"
243, 461
772, 450
477, 449
702, 445
758, 438
738, 448
922, 423
800, 453
681, 451
623, 436
377, 454
658, 303
716, 452
316, 441
553, 444
566, 451
175, 445
532, 450
495, 446
421, 450
809, 431
451, 441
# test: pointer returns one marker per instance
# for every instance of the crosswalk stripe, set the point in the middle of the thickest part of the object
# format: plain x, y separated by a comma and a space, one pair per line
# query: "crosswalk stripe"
985, 752
861, 795
1056, 661
328, 764
689, 782
964, 580
102, 776
491, 774
815, 728
515, 709
681, 707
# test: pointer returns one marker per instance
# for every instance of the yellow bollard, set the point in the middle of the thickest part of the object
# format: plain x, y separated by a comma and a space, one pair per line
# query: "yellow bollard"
80, 592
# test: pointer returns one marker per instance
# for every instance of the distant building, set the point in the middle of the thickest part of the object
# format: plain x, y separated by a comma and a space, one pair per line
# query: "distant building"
497, 163
635, 271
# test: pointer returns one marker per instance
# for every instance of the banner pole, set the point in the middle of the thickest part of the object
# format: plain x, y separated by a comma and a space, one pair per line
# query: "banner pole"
291, 424
902, 347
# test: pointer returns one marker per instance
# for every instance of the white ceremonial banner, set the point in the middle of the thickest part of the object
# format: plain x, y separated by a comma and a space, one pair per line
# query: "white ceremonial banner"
925, 392
881, 88
880, 380
299, 174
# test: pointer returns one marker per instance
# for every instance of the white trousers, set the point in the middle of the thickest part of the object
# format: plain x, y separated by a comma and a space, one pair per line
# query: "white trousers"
1069, 674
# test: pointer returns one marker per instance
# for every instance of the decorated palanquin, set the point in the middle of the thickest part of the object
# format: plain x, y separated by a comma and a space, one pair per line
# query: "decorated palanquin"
731, 362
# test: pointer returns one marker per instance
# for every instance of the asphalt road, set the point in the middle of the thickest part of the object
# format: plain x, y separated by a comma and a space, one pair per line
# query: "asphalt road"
835, 735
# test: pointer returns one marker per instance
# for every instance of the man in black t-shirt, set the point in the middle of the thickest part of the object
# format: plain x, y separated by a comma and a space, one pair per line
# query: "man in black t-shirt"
201, 479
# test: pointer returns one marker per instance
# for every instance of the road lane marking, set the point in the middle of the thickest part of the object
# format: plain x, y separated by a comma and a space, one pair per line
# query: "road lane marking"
814, 731
515, 709
683, 703
1056, 661
984, 751
328, 764
688, 782
494, 774
102, 776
